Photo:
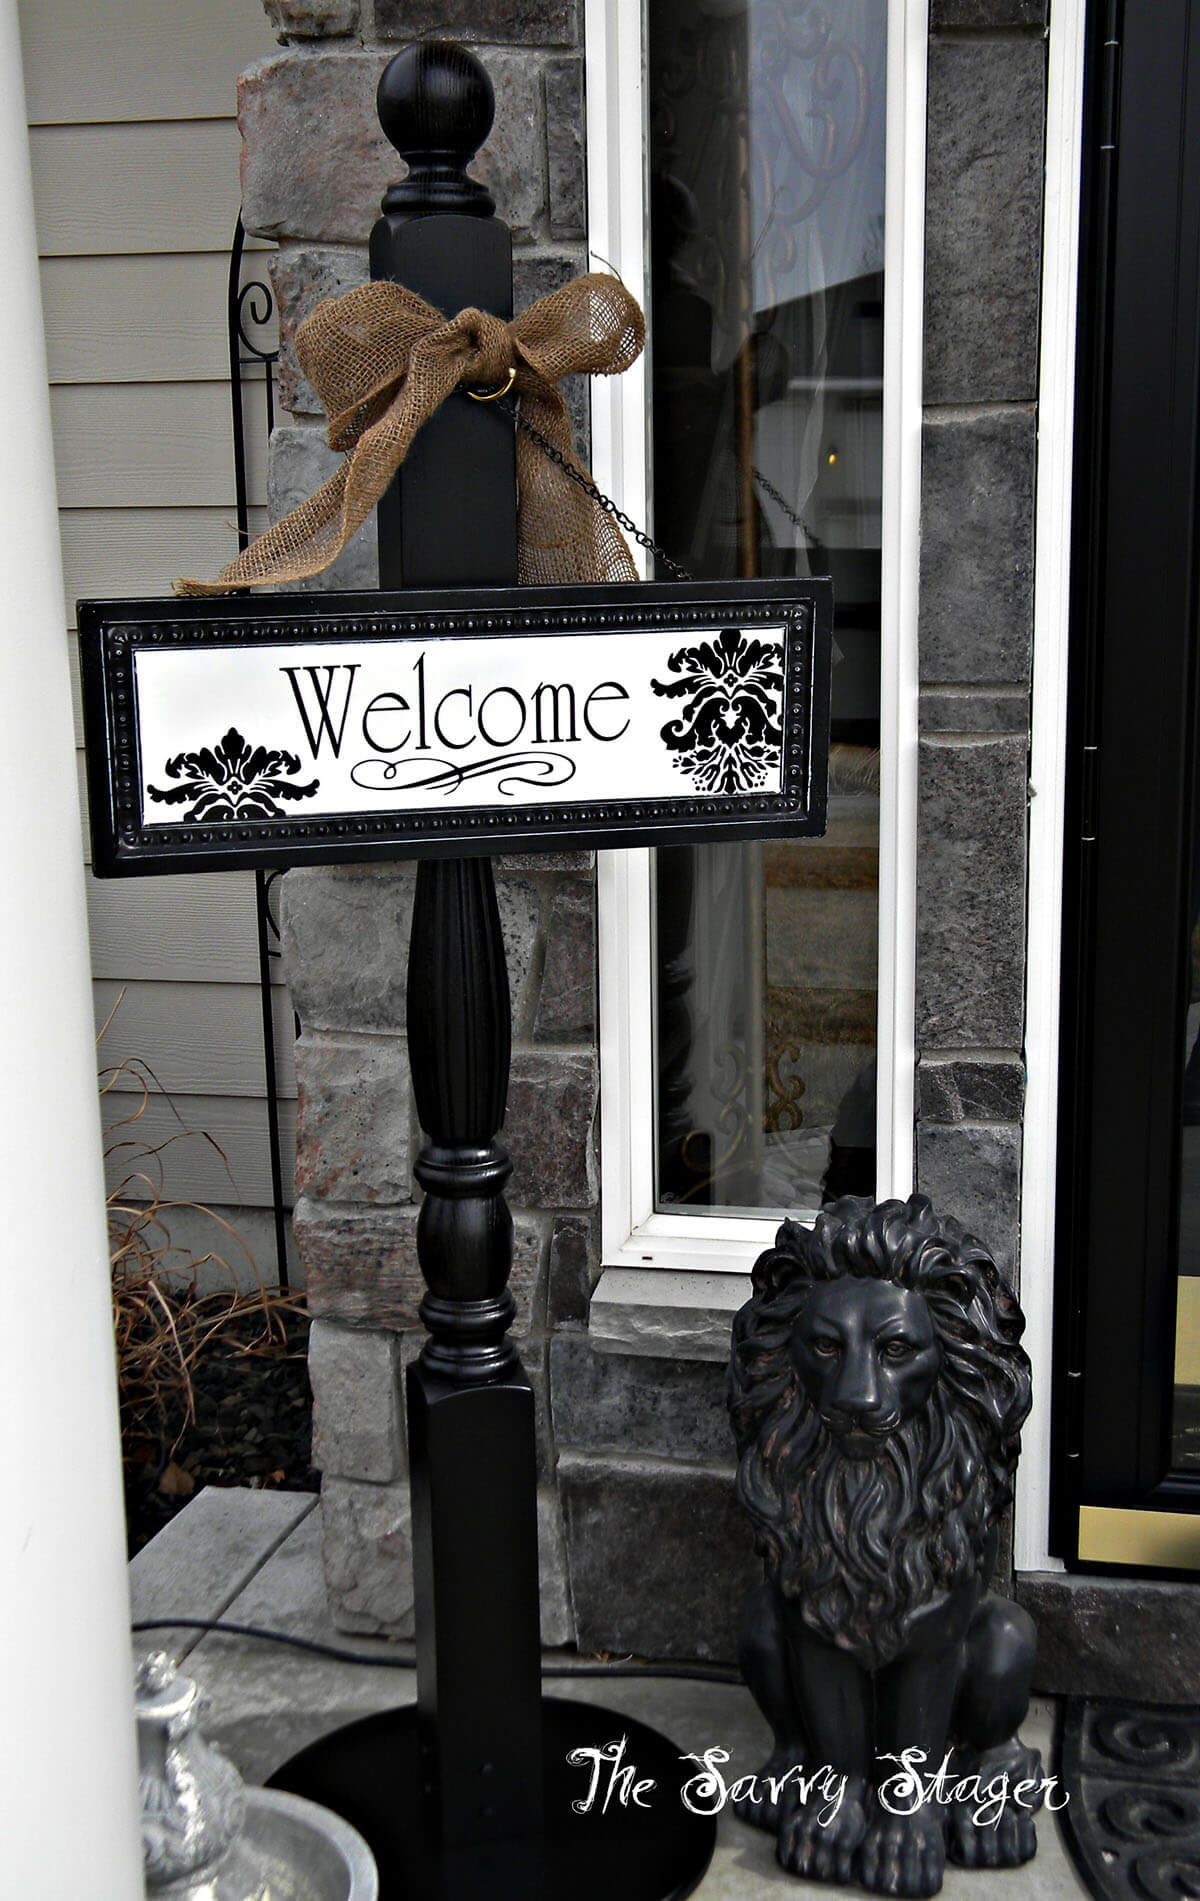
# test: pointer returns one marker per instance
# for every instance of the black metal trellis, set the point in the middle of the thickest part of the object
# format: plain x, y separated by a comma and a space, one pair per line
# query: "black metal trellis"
249, 309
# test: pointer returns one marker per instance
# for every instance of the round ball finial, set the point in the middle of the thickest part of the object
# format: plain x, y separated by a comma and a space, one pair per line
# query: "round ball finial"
436, 106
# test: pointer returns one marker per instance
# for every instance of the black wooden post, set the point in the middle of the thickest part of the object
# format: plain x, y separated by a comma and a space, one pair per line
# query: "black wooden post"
486, 1793
450, 520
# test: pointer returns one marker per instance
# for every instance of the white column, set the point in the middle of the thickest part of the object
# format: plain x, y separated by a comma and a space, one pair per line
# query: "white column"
68, 1782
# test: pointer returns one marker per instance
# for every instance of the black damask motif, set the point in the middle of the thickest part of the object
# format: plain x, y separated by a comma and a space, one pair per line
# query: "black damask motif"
729, 736
232, 780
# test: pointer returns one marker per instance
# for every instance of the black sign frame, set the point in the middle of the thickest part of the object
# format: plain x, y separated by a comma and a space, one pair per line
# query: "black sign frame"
112, 632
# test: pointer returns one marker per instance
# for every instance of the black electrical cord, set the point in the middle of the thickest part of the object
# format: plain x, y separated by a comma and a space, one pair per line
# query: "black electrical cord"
224, 1628
686, 1672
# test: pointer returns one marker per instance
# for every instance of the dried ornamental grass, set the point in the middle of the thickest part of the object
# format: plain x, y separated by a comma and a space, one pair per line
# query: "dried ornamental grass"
162, 1322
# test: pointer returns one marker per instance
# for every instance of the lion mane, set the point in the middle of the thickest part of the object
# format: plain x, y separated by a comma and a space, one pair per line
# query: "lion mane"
860, 1546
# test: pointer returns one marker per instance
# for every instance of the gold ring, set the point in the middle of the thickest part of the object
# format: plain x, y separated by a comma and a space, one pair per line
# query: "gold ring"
490, 395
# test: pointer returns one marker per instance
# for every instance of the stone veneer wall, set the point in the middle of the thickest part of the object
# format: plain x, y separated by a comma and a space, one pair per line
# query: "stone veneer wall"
642, 1547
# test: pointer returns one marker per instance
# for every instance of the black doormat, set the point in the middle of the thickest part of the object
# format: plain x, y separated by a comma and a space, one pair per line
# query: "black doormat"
1132, 1773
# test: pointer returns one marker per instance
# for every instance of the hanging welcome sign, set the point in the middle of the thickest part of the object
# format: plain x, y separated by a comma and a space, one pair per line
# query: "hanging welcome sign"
304, 728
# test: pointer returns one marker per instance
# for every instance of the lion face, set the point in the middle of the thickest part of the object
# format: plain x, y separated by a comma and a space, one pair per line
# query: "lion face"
877, 1389
868, 1358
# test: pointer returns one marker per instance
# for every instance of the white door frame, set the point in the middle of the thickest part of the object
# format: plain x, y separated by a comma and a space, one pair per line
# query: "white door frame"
1047, 765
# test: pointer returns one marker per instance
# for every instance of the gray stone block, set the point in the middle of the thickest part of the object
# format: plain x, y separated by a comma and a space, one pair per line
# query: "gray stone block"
666, 1316
976, 604
987, 13
971, 894
362, 1267
520, 913
566, 1011
546, 861
661, 1556
565, 147
300, 460
983, 219
315, 162
972, 1171
557, 1617
312, 19
353, 1118
960, 1089
358, 1412
345, 945
302, 278
538, 22
1120, 1637
512, 164
361, 1263
574, 1271
973, 710
610, 1402
548, 1129
536, 274
367, 1554
366, 1544
537, 1372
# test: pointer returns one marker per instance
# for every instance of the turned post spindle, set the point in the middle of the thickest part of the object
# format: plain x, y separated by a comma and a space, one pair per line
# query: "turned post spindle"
450, 520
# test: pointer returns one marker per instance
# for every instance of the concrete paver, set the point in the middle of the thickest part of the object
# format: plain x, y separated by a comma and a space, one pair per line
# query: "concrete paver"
268, 1701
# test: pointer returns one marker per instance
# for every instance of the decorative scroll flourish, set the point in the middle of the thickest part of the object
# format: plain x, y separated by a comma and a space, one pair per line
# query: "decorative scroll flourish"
792, 100
1150, 1815
711, 1155
232, 780
1148, 1739
823, 140
510, 770
1131, 1771
785, 1090
729, 735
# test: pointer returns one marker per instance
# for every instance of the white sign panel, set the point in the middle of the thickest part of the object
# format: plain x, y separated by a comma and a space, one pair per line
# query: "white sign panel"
281, 730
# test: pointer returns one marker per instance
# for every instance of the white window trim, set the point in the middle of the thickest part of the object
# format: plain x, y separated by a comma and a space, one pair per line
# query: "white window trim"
634, 1237
1047, 765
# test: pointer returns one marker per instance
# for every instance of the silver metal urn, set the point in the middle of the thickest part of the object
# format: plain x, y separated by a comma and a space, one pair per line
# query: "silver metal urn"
206, 1837
193, 1799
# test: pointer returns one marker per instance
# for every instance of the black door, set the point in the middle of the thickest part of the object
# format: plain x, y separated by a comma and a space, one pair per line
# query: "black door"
1127, 1403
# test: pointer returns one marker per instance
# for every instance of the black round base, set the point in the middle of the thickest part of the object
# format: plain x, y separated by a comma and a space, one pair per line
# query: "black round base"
367, 1772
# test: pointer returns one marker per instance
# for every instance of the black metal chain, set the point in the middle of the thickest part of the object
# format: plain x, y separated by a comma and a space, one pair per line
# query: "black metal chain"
678, 571
597, 495
770, 489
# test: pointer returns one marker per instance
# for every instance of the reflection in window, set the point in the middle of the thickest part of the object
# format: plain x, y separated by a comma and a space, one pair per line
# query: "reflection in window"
767, 183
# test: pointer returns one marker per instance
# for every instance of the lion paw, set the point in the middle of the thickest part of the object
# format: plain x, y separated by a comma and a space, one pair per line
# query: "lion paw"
994, 1829
1008, 1843
903, 1854
818, 1839
761, 1809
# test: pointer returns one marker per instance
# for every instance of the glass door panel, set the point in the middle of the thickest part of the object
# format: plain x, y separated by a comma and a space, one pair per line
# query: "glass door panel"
767, 191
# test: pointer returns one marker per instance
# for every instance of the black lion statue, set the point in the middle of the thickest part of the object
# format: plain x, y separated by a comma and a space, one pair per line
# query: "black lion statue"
877, 1390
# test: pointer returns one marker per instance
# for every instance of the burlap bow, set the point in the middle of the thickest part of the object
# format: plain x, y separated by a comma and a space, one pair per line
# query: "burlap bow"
382, 360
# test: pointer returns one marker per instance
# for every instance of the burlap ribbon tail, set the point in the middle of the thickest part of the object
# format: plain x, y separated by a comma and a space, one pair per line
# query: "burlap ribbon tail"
382, 361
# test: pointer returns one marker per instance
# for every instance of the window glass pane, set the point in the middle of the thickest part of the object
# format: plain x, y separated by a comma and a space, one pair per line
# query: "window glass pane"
767, 192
